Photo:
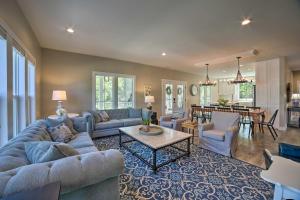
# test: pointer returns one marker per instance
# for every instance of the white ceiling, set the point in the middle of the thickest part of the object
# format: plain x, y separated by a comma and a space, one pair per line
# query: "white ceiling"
189, 31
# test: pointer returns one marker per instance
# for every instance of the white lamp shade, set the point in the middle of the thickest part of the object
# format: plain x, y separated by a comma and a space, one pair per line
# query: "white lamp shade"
149, 99
59, 95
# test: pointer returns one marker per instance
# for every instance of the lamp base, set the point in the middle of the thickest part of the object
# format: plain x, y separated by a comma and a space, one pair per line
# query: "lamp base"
149, 106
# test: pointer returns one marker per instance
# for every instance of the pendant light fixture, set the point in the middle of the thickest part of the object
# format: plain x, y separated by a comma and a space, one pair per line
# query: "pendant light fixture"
207, 81
239, 78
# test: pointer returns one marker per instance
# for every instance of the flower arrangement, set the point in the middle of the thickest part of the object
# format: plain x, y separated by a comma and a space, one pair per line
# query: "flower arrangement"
222, 101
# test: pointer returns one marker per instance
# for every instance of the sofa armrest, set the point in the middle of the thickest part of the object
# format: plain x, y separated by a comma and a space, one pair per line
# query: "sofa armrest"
205, 127
73, 172
90, 121
165, 118
230, 133
177, 123
81, 124
289, 151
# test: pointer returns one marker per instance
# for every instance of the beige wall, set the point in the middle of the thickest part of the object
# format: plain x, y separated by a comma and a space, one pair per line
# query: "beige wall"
73, 73
296, 78
12, 15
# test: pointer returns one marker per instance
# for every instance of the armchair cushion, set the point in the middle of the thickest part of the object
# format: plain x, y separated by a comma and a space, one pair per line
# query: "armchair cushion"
289, 151
168, 124
214, 134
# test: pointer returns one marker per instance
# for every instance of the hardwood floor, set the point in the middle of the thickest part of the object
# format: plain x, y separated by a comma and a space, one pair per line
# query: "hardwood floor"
250, 149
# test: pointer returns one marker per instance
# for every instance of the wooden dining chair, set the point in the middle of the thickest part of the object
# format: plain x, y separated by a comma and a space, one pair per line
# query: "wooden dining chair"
270, 125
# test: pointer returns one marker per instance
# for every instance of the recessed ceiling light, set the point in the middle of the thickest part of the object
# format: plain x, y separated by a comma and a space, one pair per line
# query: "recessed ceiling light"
70, 30
242, 65
246, 22
163, 54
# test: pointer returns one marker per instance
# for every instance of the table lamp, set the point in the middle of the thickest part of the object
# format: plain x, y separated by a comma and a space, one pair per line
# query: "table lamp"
59, 96
149, 100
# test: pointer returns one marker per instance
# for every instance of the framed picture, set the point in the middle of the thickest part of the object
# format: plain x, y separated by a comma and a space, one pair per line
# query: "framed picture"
147, 90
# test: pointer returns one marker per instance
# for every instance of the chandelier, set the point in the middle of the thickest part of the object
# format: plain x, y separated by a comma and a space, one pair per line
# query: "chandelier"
239, 78
207, 82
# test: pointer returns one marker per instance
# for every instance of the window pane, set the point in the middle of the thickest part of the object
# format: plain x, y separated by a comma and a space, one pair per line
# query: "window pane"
125, 92
31, 92
19, 97
3, 92
104, 92
246, 91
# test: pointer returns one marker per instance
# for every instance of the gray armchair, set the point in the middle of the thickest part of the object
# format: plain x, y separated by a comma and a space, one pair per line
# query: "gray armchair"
220, 135
173, 121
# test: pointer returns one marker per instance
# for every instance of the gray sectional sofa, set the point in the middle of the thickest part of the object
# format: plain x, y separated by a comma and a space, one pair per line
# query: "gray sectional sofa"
117, 118
91, 175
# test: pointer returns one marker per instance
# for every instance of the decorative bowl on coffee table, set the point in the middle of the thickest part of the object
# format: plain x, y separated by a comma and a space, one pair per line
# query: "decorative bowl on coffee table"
153, 130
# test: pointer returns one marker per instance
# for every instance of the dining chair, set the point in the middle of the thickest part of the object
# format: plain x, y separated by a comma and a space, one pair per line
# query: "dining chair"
245, 118
208, 111
270, 125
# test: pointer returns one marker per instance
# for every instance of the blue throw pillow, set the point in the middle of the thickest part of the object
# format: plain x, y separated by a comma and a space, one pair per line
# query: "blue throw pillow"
135, 112
44, 151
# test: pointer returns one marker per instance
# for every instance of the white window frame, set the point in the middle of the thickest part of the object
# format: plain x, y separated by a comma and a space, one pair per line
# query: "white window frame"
205, 95
31, 92
237, 92
115, 87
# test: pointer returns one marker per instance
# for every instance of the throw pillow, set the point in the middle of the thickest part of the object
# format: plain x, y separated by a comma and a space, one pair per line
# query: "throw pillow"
60, 133
56, 122
96, 116
104, 116
39, 152
135, 112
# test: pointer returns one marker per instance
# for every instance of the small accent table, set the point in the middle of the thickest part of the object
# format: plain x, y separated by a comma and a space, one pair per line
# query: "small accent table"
47, 192
70, 115
168, 138
285, 174
190, 126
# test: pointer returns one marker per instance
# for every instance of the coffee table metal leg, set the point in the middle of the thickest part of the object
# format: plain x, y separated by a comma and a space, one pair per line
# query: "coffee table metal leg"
154, 167
120, 138
193, 136
189, 146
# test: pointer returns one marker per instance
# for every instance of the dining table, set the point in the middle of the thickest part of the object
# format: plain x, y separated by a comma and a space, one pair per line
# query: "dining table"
255, 114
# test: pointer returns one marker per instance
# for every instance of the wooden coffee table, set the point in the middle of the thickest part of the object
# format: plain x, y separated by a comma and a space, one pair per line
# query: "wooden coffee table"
190, 126
168, 138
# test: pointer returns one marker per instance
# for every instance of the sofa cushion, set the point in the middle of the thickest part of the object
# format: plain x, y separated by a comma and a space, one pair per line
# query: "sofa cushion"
132, 121
56, 122
135, 112
60, 133
79, 124
104, 116
109, 124
118, 113
96, 116
44, 151
81, 140
214, 134
168, 124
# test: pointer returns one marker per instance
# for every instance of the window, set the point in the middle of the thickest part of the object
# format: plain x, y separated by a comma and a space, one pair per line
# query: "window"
205, 95
245, 92
3, 92
113, 91
19, 92
31, 92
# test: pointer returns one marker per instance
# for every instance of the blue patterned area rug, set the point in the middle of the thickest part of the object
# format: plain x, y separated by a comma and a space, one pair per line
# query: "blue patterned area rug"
203, 175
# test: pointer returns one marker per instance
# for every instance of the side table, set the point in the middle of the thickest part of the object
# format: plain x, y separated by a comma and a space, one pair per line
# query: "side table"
70, 115
190, 126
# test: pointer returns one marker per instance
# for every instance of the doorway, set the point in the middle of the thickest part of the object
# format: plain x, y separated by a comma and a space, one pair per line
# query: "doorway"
173, 96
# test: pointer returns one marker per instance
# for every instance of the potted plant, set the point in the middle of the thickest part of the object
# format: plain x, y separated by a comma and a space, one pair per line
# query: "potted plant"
222, 101
146, 125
